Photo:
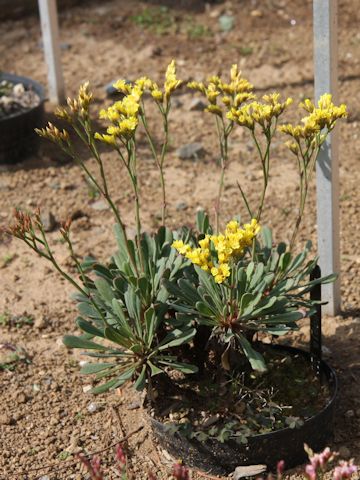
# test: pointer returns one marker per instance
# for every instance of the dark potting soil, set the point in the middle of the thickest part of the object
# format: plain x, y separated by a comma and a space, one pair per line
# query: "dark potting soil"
223, 405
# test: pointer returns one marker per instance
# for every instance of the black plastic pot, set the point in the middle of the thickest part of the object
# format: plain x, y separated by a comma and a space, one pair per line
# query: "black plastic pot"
17, 137
285, 444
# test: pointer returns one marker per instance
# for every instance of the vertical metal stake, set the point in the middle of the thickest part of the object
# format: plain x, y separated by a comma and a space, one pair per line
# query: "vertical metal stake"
327, 169
315, 323
50, 37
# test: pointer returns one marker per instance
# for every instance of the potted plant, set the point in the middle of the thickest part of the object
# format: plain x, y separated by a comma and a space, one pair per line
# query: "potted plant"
21, 110
191, 315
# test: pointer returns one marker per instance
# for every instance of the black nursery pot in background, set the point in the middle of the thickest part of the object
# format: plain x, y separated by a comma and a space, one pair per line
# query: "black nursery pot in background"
17, 136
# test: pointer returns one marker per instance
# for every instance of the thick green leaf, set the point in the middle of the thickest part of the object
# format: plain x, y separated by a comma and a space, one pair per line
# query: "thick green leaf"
282, 318
104, 387
77, 342
154, 369
88, 310
255, 358
140, 381
90, 368
104, 289
176, 338
89, 328
114, 336
186, 368
266, 234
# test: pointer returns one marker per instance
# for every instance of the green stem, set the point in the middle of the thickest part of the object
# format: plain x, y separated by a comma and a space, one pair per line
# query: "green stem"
104, 190
223, 134
306, 168
159, 163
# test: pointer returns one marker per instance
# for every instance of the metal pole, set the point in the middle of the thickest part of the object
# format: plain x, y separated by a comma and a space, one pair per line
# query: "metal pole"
50, 36
327, 169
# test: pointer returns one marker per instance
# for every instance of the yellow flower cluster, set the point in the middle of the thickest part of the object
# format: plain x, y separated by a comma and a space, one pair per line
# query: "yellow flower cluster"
228, 246
324, 115
124, 113
256, 112
232, 94
77, 106
170, 85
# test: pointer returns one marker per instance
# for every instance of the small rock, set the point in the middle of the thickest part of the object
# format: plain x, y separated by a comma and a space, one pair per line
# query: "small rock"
256, 13
215, 14
134, 405
44, 477
87, 388
248, 471
92, 407
176, 102
40, 322
65, 46
197, 104
344, 452
226, 22
21, 398
325, 350
77, 214
190, 150
181, 206
99, 205
350, 414
6, 419
48, 220
149, 52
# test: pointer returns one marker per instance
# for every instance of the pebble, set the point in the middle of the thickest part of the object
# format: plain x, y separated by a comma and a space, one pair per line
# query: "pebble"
134, 405
48, 220
226, 22
190, 151
344, 452
350, 414
248, 471
256, 13
100, 205
181, 206
40, 322
92, 408
87, 388
21, 398
197, 104
6, 419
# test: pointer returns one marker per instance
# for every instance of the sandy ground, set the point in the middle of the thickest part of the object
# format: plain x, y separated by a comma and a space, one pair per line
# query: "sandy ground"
45, 417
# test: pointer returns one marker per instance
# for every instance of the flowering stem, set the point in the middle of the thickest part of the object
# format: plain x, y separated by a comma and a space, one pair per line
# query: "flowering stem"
104, 190
306, 164
132, 170
223, 134
159, 162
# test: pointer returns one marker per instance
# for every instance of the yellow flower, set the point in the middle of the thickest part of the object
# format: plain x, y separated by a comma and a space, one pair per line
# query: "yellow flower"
128, 126
181, 247
214, 109
143, 83
122, 86
197, 86
171, 82
109, 139
157, 95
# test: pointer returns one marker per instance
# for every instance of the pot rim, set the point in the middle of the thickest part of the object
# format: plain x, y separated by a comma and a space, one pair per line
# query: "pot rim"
331, 378
27, 82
